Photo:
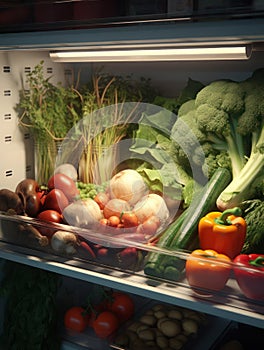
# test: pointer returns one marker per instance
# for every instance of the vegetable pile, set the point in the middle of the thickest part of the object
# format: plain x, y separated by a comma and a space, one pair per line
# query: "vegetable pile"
161, 327
197, 198
123, 209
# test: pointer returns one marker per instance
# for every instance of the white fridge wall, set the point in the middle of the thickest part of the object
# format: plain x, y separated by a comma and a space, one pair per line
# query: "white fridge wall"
16, 145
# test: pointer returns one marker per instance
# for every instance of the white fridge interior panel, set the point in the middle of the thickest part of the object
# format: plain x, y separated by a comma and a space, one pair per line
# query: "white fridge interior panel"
16, 144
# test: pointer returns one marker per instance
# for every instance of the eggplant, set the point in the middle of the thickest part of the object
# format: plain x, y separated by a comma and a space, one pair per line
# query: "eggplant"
28, 190
11, 201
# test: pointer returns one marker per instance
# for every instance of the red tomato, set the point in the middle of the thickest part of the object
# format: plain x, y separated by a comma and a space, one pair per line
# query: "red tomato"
101, 199
52, 216
76, 319
129, 219
56, 200
65, 184
42, 196
105, 324
122, 305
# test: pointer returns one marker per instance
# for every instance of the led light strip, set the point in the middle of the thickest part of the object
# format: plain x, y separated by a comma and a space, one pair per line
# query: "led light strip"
160, 54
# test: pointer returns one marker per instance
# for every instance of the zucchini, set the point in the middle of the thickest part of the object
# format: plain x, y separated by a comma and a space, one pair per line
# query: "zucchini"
182, 233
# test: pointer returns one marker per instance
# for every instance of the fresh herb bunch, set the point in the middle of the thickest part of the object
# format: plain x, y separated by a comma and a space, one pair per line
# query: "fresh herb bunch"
102, 131
30, 320
49, 111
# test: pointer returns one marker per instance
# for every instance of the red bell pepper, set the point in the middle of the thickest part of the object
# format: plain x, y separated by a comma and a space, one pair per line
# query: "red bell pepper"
249, 273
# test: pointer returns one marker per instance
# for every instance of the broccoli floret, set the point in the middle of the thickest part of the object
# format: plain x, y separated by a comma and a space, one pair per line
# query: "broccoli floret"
215, 161
192, 147
218, 108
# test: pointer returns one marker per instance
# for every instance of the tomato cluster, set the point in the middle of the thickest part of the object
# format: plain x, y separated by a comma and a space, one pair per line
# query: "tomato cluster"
104, 318
117, 213
60, 192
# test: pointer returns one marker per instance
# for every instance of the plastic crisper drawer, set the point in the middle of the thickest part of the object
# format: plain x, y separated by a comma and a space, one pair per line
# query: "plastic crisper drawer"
129, 258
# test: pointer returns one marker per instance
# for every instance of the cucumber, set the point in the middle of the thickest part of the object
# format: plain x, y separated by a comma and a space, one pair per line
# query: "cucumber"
182, 233
154, 266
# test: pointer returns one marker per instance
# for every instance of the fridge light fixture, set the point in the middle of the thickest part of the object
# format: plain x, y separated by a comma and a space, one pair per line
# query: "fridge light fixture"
153, 54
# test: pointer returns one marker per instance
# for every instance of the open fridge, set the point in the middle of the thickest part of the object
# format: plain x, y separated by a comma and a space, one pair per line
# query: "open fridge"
40, 45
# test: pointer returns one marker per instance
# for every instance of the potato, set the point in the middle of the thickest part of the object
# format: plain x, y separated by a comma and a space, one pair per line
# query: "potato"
175, 314
158, 307
170, 328
146, 334
162, 341
142, 327
160, 314
182, 337
160, 322
149, 312
149, 320
190, 327
175, 343
134, 326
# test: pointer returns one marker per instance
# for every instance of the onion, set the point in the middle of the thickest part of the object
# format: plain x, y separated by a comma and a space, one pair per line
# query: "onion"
82, 213
128, 185
115, 207
63, 242
151, 204
67, 169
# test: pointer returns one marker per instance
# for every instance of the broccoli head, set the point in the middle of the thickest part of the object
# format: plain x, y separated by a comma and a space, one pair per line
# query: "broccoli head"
247, 183
218, 108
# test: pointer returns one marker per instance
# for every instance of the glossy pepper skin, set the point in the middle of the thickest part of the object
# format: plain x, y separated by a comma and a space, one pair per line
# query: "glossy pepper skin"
207, 269
223, 232
250, 281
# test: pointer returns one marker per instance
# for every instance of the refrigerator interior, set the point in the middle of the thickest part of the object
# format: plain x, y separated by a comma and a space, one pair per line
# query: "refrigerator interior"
18, 162
168, 78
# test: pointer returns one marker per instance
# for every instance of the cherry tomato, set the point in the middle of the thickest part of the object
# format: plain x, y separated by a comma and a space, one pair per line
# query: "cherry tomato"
122, 305
113, 221
65, 184
101, 199
51, 216
104, 221
56, 200
129, 219
105, 324
76, 319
